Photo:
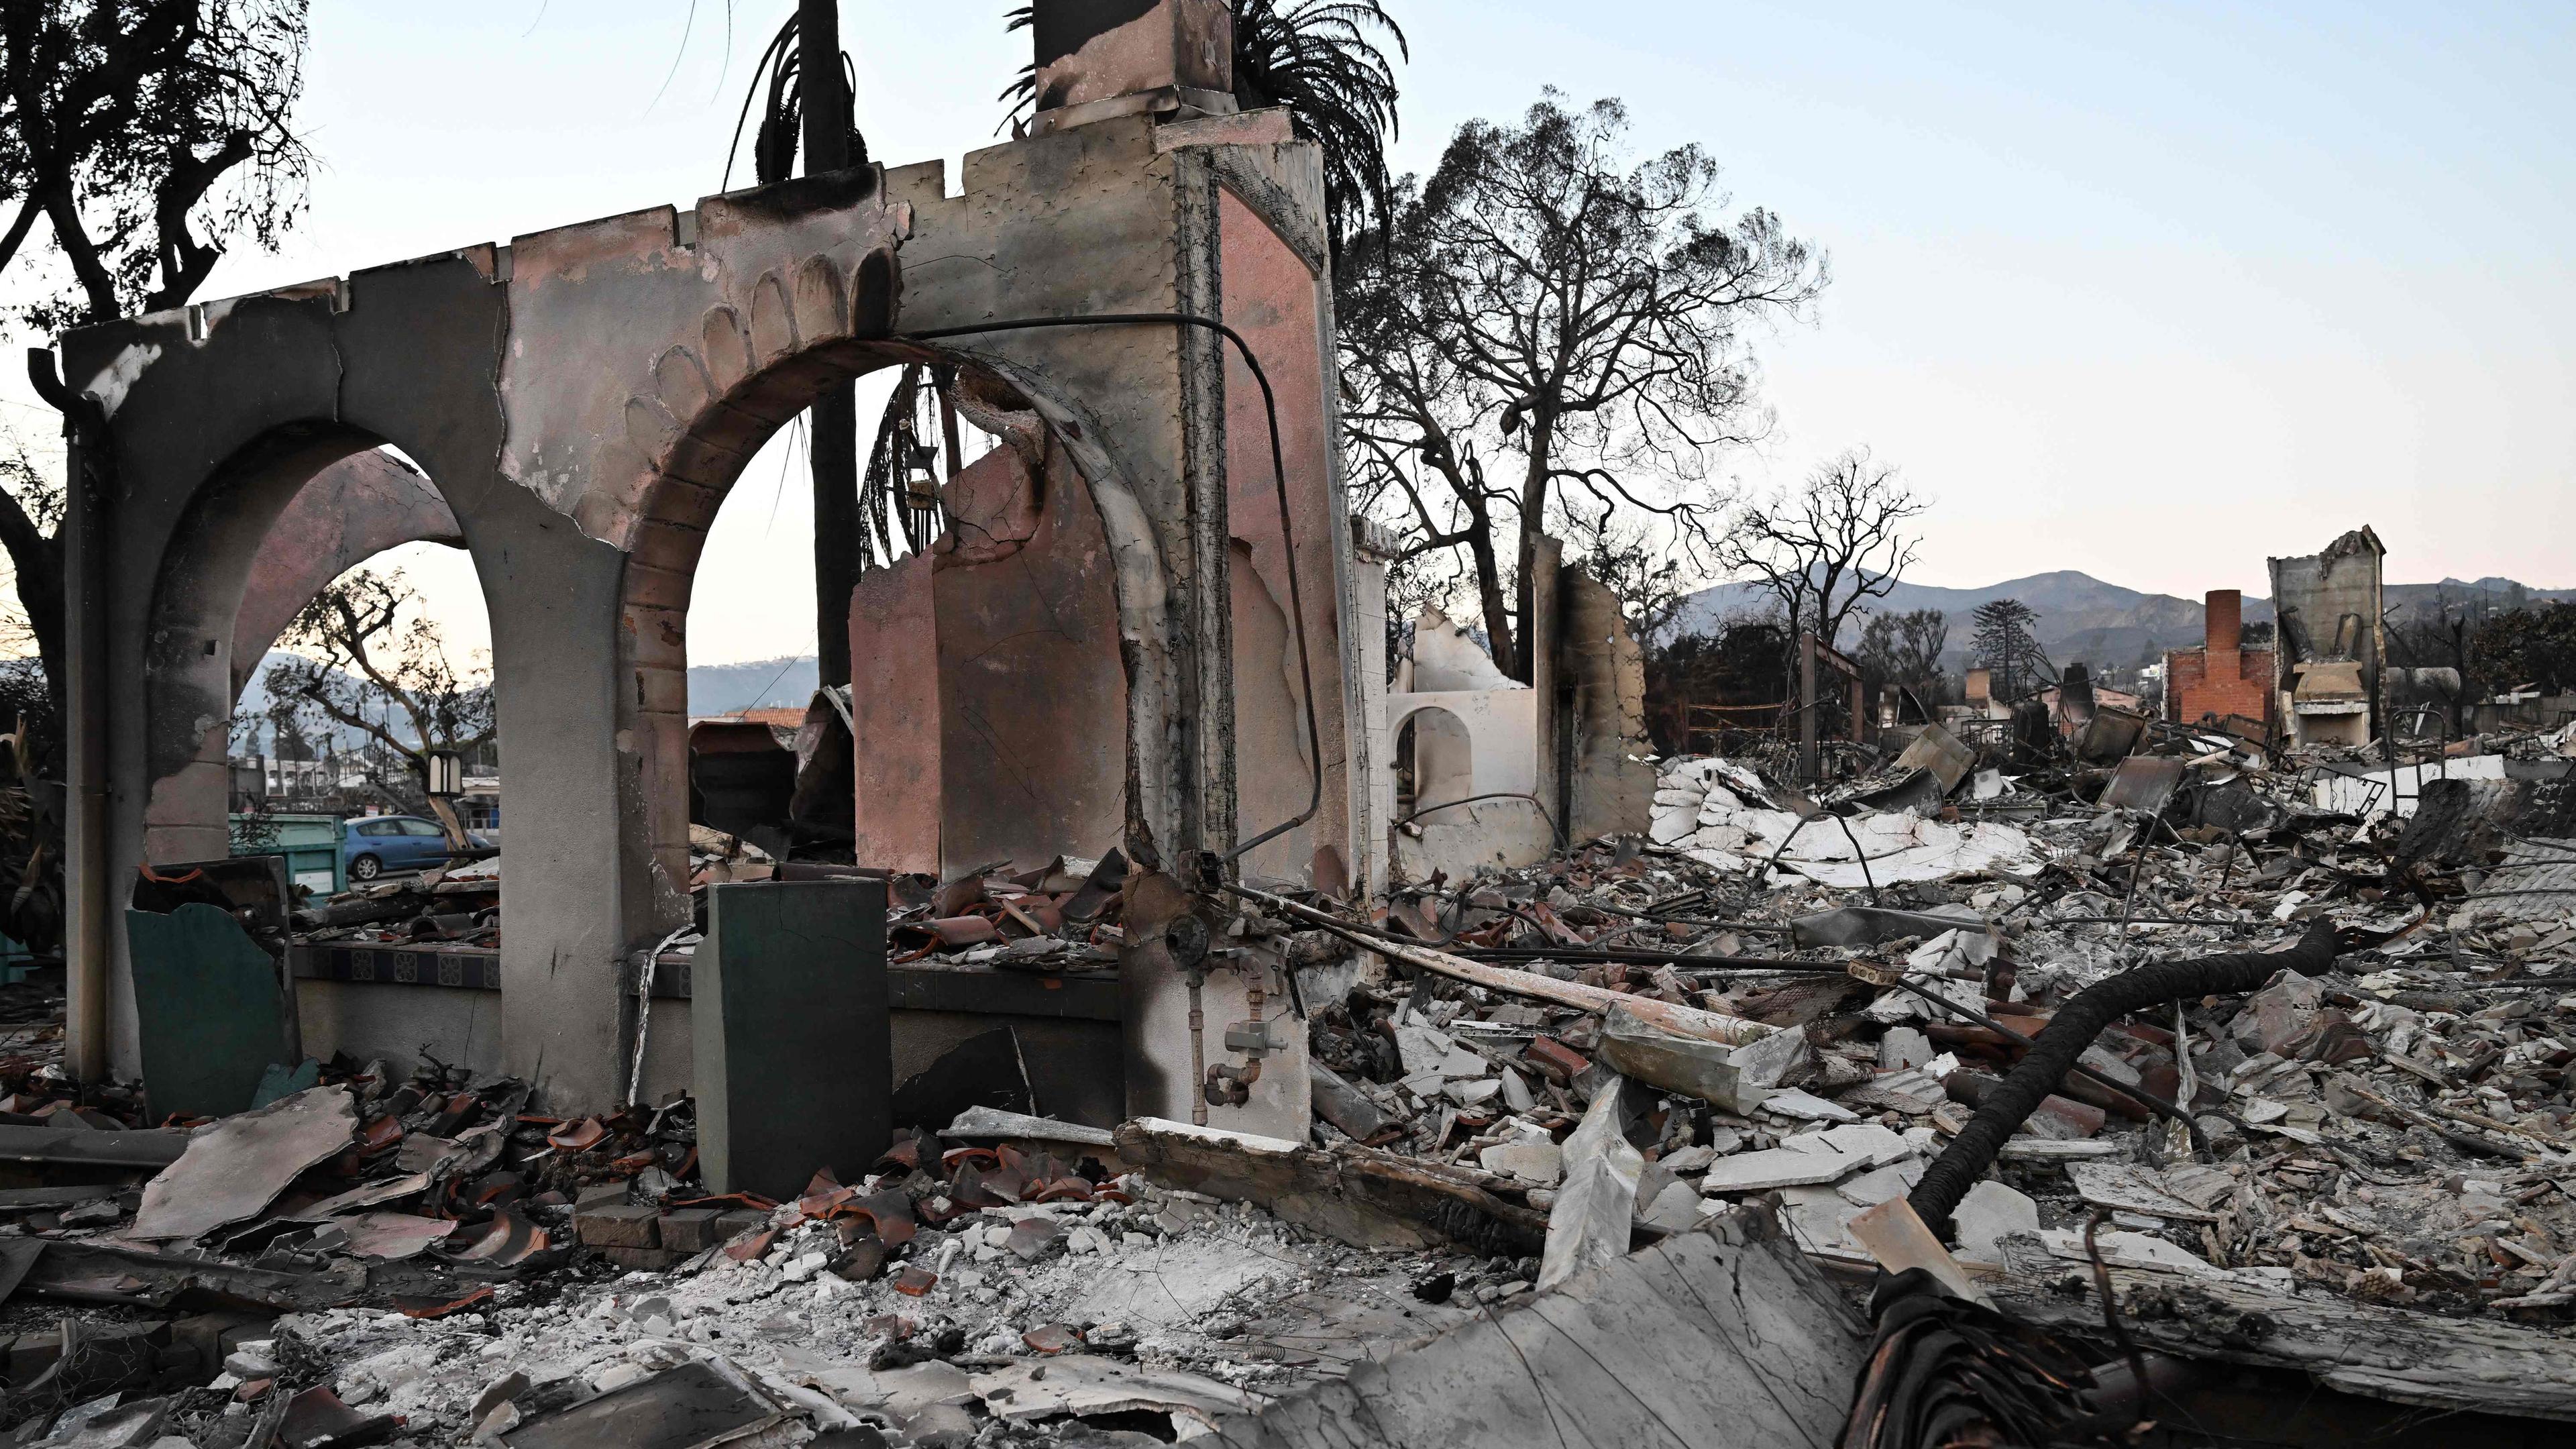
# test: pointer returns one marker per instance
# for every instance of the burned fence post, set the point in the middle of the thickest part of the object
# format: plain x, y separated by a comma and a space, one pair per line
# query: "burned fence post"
792, 1053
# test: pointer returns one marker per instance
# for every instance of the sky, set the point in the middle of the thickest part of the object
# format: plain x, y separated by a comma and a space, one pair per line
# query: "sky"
2147, 291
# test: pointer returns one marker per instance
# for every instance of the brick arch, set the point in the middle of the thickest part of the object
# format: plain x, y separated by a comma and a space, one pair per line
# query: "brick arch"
712, 403
191, 678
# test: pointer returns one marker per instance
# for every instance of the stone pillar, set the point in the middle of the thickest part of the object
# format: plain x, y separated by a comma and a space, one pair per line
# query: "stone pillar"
579, 871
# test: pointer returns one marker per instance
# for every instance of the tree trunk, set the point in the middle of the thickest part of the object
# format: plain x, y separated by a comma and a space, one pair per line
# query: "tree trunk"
448, 823
1521, 665
834, 451
39, 562
1489, 589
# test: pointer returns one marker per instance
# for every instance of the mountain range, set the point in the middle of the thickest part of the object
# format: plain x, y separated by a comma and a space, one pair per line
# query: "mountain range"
2083, 618
2080, 618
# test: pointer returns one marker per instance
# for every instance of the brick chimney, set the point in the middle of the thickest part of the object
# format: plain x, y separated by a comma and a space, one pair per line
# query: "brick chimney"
2224, 612
1179, 52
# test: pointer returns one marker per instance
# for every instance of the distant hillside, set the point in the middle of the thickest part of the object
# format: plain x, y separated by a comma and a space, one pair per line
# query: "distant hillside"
2083, 618
732, 688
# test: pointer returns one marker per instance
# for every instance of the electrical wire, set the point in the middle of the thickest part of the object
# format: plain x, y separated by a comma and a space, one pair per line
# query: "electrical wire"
1287, 528
1553, 828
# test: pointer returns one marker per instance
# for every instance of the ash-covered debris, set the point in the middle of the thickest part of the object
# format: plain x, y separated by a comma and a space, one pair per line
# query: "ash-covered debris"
2393, 1129
1778, 1003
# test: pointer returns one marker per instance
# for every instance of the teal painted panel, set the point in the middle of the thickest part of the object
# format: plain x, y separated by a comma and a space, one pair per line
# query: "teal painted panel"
790, 1044
207, 1000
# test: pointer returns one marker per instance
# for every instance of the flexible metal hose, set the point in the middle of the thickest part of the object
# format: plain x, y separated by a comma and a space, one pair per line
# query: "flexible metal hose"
2076, 1024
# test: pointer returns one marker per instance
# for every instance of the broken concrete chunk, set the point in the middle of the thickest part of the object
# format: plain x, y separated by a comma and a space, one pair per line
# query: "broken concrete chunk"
2128, 1250
2043, 1149
237, 1167
1723, 1075
1540, 1162
1343, 1105
1428, 1050
2125, 1188
1879, 1184
1778, 1167
1807, 1107
987, 1123
1903, 1048
1589, 1224
1676, 1209
1472, 1092
1866, 1143
1990, 1213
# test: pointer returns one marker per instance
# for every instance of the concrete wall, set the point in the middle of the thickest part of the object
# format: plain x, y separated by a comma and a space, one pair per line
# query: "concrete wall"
583, 401
1033, 700
1608, 785
2330, 606
1277, 298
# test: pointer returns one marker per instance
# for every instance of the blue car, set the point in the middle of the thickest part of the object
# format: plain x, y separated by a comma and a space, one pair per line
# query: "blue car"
375, 844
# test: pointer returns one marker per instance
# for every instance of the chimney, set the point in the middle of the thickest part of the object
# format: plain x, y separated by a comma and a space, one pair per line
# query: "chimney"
2224, 612
1176, 52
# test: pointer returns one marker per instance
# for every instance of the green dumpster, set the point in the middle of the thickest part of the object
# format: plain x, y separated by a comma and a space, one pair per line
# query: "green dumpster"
310, 843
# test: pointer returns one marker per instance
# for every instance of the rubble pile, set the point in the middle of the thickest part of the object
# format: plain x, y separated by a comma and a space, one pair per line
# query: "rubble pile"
1062, 917
1002, 1323
968, 1290
1778, 1003
458, 903
2395, 1131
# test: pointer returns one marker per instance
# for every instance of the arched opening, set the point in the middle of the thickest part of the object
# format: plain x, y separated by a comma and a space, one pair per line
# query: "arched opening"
271, 728
283, 519
312, 514
1032, 564
1435, 762
362, 643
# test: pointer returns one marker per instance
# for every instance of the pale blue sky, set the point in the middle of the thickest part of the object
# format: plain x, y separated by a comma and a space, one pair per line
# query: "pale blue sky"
2147, 291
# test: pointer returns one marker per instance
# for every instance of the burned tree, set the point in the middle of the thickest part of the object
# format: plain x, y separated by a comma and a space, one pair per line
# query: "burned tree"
365, 655
144, 138
1575, 321
2005, 644
1825, 550
1905, 649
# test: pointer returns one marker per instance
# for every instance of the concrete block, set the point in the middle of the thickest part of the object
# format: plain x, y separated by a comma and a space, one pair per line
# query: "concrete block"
622, 1225
1990, 1213
735, 1222
691, 1230
642, 1260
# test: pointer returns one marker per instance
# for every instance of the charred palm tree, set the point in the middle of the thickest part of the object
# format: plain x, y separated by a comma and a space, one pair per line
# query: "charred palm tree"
1327, 62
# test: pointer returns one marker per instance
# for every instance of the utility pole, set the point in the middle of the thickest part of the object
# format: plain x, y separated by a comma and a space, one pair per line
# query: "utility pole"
834, 448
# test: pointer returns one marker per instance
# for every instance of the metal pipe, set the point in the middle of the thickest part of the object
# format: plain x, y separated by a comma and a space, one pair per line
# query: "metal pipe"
1198, 1054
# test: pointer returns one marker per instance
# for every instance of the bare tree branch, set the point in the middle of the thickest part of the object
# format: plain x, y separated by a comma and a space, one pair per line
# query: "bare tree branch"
1545, 296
